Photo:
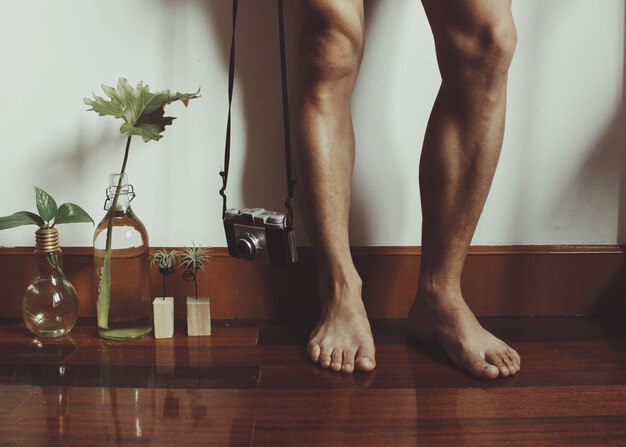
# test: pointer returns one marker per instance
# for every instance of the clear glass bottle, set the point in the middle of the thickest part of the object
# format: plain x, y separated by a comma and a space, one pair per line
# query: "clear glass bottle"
50, 304
128, 313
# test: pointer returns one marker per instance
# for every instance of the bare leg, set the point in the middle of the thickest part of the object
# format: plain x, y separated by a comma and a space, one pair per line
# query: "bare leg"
330, 56
475, 41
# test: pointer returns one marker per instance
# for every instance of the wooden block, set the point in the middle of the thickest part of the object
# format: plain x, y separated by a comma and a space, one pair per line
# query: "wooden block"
163, 317
198, 316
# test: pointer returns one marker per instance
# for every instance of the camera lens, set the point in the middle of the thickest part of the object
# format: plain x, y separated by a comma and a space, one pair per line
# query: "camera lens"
248, 246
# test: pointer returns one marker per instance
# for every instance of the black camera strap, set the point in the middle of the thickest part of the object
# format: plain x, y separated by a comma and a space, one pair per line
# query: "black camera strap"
231, 81
286, 128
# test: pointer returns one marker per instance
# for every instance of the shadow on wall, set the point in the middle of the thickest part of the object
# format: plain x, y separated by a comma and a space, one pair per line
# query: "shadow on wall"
616, 135
258, 88
257, 154
361, 212
543, 17
380, 149
601, 171
260, 151
611, 147
257, 85
76, 160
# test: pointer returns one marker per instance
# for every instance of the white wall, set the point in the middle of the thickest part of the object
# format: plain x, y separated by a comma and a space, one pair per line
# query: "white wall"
561, 180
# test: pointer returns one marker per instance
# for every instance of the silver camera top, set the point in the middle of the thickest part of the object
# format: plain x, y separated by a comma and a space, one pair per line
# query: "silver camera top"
255, 217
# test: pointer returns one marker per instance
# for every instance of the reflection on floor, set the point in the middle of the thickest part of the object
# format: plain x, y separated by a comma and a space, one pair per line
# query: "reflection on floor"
250, 384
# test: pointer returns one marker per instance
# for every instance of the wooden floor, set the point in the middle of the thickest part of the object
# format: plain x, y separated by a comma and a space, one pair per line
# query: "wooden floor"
250, 384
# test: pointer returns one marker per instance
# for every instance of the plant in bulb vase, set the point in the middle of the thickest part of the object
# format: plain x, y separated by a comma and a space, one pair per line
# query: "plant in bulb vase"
50, 305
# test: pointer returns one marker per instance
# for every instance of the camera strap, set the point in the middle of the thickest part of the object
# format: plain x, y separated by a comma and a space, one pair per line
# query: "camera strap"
286, 127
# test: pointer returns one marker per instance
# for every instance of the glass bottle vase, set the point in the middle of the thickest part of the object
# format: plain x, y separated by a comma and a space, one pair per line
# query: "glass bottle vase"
50, 303
123, 276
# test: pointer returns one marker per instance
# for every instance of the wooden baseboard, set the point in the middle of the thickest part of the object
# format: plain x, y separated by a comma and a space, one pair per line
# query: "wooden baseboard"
497, 281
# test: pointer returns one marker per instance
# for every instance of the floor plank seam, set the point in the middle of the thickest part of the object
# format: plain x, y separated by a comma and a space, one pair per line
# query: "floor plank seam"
30, 395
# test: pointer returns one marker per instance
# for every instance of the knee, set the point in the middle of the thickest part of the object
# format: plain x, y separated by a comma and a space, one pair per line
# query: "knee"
482, 56
331, 47
496, 46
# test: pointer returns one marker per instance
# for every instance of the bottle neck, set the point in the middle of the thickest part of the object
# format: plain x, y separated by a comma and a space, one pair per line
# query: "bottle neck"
123, 203
48, 259
49, 264
125, 196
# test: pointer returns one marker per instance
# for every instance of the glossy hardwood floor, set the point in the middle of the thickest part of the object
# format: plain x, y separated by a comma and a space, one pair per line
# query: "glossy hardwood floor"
250, 384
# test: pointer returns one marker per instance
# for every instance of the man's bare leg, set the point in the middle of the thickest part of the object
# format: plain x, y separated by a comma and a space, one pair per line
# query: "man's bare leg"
329, 58
475, 41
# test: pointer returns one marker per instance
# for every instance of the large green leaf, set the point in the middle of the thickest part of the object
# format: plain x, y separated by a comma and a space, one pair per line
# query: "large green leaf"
142, 111
71, 213
19, 219
46, 205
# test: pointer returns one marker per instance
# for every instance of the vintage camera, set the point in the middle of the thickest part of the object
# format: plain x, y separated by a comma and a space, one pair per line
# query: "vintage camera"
256, 234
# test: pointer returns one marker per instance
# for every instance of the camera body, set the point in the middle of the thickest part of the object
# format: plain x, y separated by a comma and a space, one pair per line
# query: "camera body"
256, 234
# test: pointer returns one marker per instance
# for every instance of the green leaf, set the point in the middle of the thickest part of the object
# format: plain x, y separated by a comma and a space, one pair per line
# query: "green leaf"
142, 111
19, 219
104, 107
46, 205
71, 213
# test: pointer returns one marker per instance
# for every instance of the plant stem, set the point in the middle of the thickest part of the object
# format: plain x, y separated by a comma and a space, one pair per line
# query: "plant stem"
163, 286
195, 283
54, 262
125, 158
104, 297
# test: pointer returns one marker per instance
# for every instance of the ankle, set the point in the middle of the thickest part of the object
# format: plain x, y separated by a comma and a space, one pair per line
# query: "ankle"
339, 286
431, 292
343, 284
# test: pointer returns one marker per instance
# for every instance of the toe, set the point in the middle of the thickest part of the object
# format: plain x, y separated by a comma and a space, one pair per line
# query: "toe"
496, 360
481, 369
348, 361
336, 360
365, 360
314, 351
510, 364
512, 353
325, 356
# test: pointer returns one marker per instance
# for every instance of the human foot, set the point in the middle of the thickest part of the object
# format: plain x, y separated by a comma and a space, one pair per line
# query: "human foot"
342, 339
446, 320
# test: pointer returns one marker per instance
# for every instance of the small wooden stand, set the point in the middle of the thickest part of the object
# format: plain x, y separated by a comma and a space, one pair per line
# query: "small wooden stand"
163, 317
198, 316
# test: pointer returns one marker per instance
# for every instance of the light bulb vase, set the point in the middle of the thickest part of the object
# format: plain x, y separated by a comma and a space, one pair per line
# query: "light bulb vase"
50, 305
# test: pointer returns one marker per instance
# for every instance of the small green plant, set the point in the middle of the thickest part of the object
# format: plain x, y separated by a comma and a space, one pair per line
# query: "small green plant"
166, 260
192, 260
143, 113
49, 214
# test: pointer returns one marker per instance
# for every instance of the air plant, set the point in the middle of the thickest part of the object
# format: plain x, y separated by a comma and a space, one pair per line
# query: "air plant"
166, 262
192, 260
143, 114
